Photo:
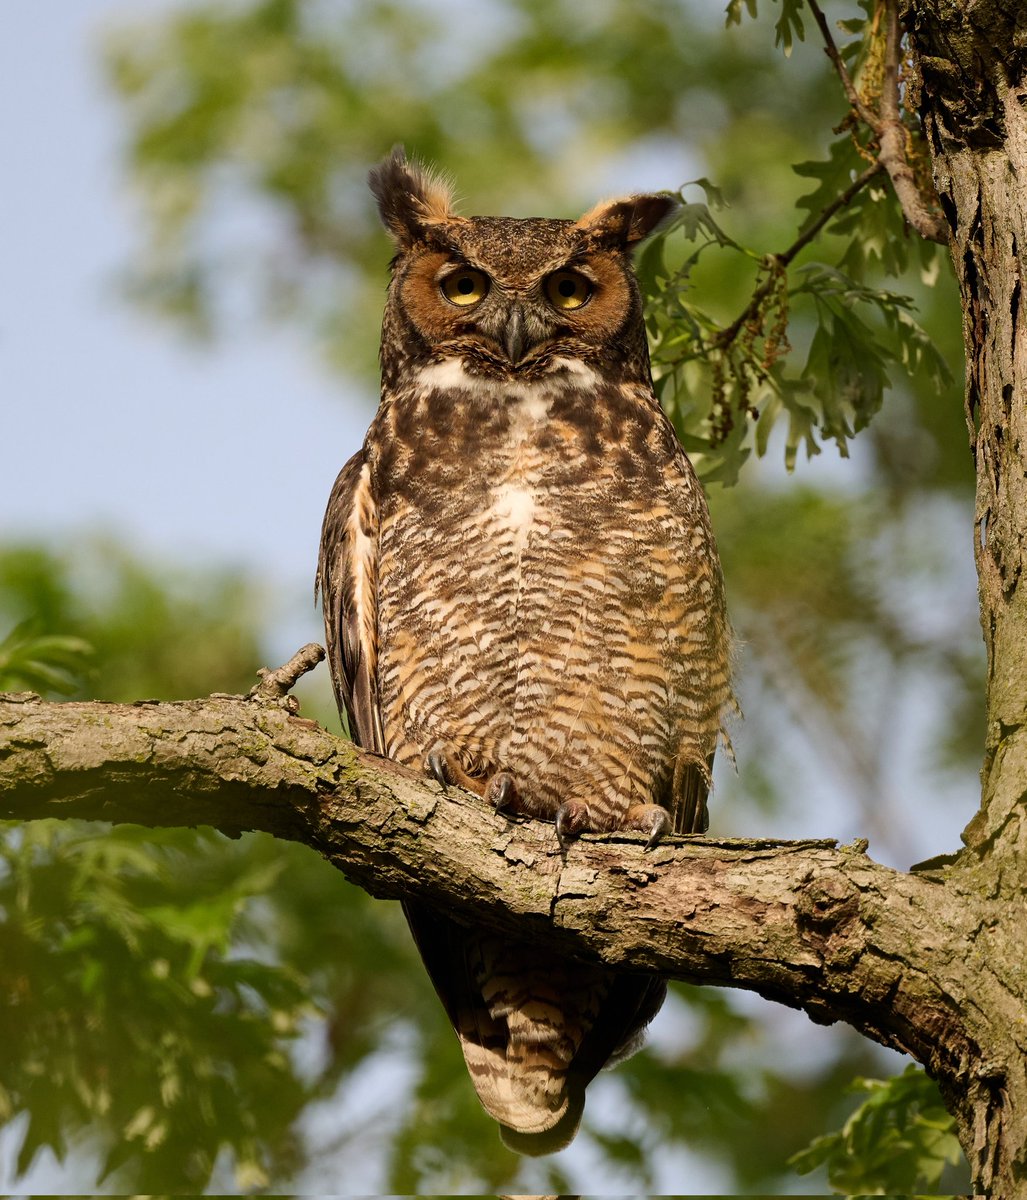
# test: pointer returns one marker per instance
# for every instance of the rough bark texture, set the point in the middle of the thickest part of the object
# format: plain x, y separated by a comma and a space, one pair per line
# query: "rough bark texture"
901, 957
972, 56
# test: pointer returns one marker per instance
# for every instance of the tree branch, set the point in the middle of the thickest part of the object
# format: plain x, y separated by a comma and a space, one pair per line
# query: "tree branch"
892, 136
809, 924
865, 114
728, 334
887, 126
276, 684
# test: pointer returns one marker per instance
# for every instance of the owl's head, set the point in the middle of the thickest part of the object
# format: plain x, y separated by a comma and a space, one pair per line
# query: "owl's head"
511, 298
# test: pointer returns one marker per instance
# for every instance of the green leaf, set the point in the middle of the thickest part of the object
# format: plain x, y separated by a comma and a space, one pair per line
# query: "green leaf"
734, 11
695, 220
832, 176
789, 25
43, 662
715, 197
899, 1140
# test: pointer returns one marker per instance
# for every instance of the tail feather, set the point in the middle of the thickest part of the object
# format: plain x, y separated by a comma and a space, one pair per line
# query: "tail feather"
534, 1029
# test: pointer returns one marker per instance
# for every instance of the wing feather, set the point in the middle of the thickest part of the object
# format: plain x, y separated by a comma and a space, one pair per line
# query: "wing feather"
347, 578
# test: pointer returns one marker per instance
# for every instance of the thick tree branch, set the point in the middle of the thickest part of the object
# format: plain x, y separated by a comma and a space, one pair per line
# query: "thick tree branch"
809, 924
893, 137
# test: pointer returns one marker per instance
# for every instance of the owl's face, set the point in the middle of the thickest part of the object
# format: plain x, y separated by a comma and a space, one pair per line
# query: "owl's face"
510, 297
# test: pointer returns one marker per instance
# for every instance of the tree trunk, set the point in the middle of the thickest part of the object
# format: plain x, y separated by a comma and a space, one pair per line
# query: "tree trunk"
973, 102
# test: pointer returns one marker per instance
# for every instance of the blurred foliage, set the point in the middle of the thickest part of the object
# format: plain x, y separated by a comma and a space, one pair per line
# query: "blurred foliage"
152, 634
275, 109
125, 1016
900, 1139
262, 999
48, 663
278, 121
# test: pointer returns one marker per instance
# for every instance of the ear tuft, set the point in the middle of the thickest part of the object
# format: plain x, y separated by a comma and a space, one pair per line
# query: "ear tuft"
410, 197
625, 223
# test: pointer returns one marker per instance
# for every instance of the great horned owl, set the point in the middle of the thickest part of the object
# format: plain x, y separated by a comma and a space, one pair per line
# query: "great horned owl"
522, 596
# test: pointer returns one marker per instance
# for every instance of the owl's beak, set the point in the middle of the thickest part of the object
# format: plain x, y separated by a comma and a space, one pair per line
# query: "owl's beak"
515, 339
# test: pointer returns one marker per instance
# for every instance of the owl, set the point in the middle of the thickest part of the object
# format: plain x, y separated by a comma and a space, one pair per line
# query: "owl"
522, 597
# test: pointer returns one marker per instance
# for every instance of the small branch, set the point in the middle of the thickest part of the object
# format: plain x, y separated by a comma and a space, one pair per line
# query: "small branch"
276, 684
728, 334
887, 126
840, 202
831, 49
892, 137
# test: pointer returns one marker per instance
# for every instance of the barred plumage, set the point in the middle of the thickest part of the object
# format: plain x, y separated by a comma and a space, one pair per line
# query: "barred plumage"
522, 594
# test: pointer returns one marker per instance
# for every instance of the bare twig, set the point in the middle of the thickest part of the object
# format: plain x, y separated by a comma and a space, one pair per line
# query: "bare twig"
275, 685
779, 261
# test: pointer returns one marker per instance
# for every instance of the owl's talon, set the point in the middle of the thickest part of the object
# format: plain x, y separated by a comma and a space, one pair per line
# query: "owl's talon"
572, 818
651, 819
660, 827
445, 766
436, 766
501, 790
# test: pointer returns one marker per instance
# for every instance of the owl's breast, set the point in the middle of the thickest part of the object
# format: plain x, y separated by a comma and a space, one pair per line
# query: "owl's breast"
513, 512
533, 586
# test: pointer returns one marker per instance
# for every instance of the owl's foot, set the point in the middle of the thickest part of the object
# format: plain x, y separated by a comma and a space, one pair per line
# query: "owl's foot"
444, 767
501, 791
650, 819
572, 817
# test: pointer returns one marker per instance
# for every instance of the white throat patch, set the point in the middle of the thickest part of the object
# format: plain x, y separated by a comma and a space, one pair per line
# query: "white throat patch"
451, 373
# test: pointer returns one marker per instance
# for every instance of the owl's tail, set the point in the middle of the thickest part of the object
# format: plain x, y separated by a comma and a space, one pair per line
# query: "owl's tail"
534, 1029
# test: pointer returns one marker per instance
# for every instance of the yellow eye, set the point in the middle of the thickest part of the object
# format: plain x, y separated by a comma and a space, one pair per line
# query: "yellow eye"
568, 289
465, 287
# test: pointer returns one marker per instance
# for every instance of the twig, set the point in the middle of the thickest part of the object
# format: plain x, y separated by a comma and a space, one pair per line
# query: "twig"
275, 685
892, 135
728, 334
887, 126
831, 49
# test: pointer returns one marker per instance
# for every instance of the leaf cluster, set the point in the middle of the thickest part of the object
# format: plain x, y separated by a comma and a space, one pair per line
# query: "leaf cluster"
125, 1016
726, 384
899, 1139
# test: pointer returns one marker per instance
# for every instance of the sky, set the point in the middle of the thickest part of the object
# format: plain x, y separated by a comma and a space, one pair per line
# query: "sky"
193, 454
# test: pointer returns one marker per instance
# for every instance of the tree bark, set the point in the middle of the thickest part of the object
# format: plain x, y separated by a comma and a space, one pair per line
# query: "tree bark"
900, 956
972, 56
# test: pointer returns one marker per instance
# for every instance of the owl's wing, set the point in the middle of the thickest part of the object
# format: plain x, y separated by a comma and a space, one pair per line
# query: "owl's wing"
347, 578
705, 683
690, 791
